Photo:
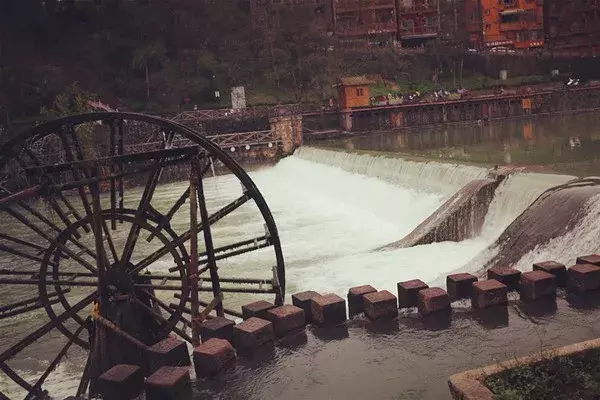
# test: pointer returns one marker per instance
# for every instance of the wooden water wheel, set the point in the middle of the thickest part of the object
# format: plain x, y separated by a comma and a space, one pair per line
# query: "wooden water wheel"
113, 212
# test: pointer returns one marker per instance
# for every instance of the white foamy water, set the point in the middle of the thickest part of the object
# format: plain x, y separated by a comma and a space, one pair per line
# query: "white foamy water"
425, 176
333, 208
514, 195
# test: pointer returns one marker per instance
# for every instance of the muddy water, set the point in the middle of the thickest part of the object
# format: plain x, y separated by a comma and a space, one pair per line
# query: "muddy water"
409, 359
567, 143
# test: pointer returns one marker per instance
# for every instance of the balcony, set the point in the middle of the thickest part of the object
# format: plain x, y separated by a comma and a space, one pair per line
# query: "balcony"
418, 32
430, 7
519, 26
355, 29
360, 5
300, 2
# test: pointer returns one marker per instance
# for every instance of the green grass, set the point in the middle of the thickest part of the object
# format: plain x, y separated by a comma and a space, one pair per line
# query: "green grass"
560, 378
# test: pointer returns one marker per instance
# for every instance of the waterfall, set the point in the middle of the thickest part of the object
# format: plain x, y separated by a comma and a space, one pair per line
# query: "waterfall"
431, 177
517, 192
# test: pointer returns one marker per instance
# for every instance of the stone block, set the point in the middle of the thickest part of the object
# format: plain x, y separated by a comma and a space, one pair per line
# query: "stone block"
593, 259
286, 318
355, 298
169, 383
380, 305
489, 293
218, 328
507, 276
433, 300
537, 284
168, 352
460, 286
583, 278
329, 309
213, 356
557, 269
303, 301
408, 293
121, 382
256, 309
252, 334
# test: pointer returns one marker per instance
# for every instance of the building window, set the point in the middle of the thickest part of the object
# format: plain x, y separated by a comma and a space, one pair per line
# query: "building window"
359, 92
407, 24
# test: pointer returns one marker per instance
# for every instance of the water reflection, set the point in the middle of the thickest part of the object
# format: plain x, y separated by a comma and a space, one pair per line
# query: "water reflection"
544, 140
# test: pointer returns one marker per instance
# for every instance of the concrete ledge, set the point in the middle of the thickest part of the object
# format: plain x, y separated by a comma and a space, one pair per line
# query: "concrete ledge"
557, 269
469, 385
507, 276
257, 309
408, 292
329, 309
380, 305
303, 300
460, 286
355, 298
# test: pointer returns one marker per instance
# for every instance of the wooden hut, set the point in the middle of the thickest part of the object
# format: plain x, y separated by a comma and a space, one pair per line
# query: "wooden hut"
353, 91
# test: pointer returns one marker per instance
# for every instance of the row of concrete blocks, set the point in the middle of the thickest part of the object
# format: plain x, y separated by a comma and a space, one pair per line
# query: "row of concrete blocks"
264, 322
222, 339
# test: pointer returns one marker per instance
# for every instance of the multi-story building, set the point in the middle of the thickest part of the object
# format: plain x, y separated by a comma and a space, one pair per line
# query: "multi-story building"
572, 25
265, 14
452, 21
510, 24
418, 21
365, 22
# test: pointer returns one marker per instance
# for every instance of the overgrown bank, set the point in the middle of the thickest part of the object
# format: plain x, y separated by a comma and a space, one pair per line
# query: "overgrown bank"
561, 378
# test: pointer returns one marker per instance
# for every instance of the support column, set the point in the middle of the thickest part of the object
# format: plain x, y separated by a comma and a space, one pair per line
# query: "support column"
289, 130
346, 121
397, 119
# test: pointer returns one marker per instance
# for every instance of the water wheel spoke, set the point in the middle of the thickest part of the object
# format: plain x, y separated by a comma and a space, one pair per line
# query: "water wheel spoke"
114, 169
57, 282
24, 194
208, 241
142, 208
217, 216
37, 334
50, 239
171, 213
176, 288
15, 377
22, 242
162, 320
72, 210
168, 308
29, 304
59, 356
85, 376
26, 309
146, 199
55, 228
205, 304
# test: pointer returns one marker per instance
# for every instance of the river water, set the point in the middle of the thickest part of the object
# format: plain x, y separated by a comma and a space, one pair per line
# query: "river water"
332, 209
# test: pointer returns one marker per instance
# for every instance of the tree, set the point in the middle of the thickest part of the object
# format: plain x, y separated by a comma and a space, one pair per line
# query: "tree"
154, 54
73, 100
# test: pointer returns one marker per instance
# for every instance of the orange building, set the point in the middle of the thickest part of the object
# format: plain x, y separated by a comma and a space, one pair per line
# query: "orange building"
510, 24
354, 91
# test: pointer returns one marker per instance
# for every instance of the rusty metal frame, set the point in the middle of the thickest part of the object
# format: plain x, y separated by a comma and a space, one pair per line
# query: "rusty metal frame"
40, 182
